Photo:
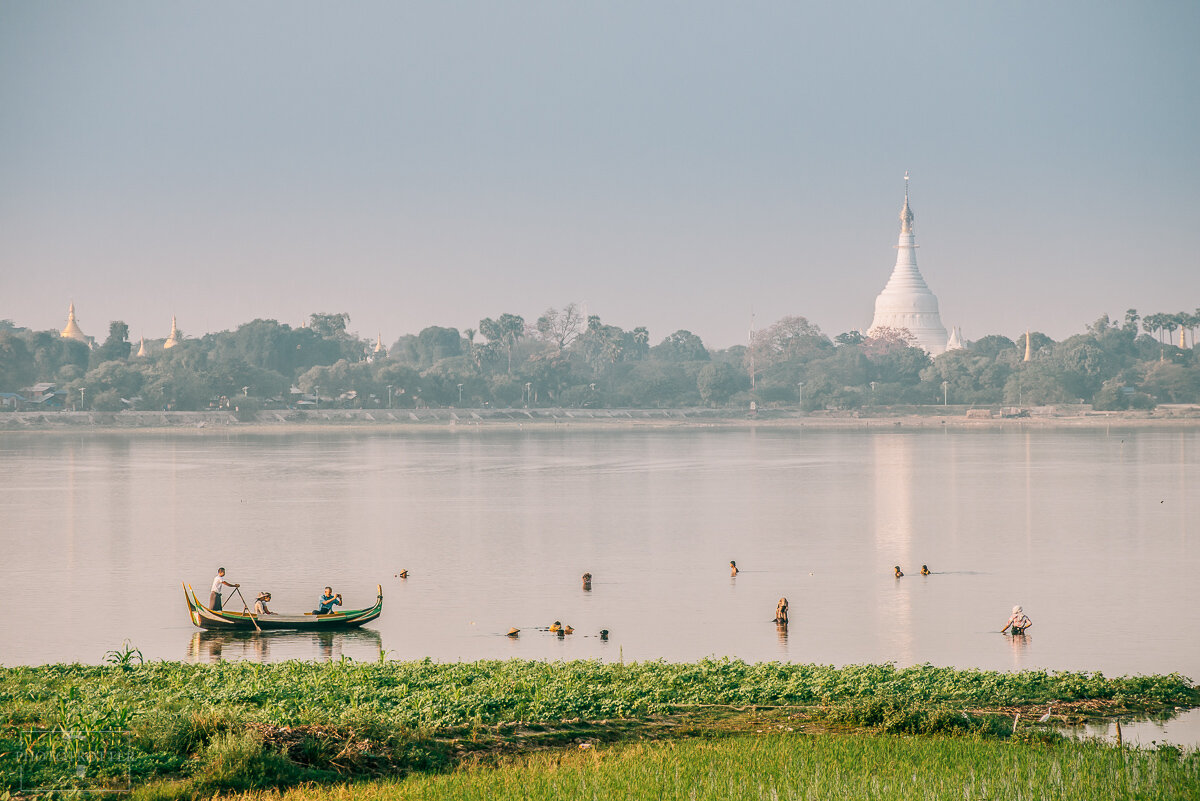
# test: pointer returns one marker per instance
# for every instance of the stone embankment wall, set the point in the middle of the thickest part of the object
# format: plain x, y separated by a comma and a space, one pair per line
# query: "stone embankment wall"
928, 416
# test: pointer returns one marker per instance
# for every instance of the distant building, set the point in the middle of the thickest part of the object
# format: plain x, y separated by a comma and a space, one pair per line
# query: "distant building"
175, 338
43, 396
142, 347
906, 302
956, 339
72, 331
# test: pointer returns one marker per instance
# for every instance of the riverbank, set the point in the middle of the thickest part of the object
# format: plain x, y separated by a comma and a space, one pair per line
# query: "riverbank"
201, 729
471, 420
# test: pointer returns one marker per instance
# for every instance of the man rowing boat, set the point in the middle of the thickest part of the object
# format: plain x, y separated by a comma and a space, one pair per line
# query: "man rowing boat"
214, 597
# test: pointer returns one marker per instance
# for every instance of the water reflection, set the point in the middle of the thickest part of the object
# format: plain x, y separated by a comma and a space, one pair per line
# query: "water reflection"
1183, 728
1020, 646
894, 526
781, 632
361, 645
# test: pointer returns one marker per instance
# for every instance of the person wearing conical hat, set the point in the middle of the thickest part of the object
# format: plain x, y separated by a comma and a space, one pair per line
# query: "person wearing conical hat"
260, 604
513, 632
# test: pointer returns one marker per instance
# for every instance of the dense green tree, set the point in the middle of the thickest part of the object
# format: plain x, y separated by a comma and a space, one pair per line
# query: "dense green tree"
993, 345
787, 342
16, 362
717, 382
970, 378
329, 326
1036, 384
1173, 383
681, 346
436, 343
56, 358
116, 346
112, 385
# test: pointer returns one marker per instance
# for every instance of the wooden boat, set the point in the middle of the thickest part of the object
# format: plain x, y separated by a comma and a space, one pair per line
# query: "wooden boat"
229, 620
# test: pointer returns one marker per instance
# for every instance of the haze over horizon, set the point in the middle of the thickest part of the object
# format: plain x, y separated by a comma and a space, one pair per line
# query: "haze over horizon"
673, 166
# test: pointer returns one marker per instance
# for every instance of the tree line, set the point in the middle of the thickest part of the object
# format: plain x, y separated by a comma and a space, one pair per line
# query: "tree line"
564, 359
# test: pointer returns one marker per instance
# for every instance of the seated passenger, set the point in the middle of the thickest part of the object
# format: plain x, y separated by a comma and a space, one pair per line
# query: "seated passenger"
924, 570
899, 572
557, 627
328, 601
260, 604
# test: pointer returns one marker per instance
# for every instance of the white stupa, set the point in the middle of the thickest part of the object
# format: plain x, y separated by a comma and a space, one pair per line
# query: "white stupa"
906, 302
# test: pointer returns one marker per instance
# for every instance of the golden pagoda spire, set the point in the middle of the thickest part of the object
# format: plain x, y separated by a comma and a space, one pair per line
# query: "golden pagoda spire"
172, 340
1028, 349
379, 348
72, 331
142, 348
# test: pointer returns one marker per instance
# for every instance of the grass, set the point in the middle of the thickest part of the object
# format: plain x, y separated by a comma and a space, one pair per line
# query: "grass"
781, 766
242, 725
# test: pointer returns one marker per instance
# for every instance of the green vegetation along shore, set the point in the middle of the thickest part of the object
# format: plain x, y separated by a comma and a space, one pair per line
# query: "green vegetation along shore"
565, 360
194, 730
795, 765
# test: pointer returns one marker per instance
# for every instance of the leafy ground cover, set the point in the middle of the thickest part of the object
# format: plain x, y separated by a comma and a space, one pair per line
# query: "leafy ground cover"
245, 725
777, 767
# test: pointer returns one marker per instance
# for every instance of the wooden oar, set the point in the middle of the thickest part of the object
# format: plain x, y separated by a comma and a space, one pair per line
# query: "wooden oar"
246, 609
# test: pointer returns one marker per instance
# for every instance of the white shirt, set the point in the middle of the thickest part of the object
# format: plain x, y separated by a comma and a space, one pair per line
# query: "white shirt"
217, 582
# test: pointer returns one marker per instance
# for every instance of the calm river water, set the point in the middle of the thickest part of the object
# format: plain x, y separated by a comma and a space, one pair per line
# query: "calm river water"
1094, 532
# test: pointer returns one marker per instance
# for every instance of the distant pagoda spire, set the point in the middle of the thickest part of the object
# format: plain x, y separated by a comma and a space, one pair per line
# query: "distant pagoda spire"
1028, 347
174, 339
142, 347
73, 331
906, 301
379, 348
956, 339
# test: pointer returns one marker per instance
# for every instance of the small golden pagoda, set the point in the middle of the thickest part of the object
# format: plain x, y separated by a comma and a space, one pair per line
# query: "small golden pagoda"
174, 339
72, 331
380, 350
142, 347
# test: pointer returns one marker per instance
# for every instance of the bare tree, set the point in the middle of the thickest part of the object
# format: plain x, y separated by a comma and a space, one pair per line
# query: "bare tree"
560, 328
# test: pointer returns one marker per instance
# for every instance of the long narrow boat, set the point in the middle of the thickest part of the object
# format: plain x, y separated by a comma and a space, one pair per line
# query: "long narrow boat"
229, 620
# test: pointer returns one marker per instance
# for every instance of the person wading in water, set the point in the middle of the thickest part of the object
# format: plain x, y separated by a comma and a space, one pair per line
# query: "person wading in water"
1019, 621
781, 612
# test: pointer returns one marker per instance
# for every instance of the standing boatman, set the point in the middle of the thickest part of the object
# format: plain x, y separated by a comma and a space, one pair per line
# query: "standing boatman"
214, 597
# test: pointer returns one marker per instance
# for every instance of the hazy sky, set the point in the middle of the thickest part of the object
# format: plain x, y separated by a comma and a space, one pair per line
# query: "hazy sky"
673, 165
